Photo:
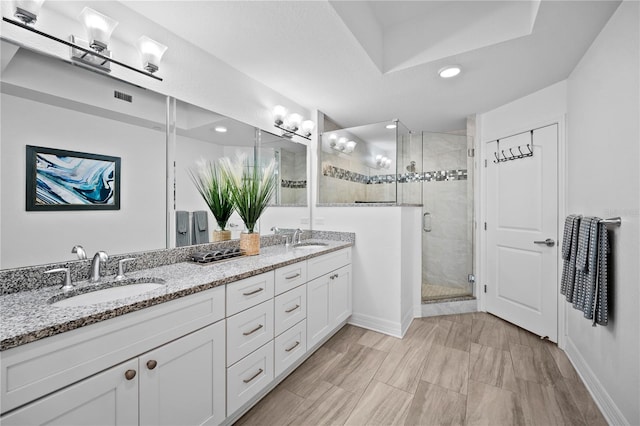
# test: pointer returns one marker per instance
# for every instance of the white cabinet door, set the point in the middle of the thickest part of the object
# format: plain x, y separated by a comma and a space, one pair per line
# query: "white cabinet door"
183, 382
340, 292
106, 398
319, 322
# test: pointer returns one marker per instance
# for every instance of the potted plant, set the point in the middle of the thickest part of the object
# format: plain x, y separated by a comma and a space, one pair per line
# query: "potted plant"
214, 189
250, 189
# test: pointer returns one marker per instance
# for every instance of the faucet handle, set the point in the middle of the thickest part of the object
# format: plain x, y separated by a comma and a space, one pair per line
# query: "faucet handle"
79, 250
67, 279
275, 230
121, 263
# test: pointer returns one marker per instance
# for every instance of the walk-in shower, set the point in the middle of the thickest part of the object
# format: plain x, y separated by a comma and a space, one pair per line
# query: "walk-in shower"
447, 232
435, 170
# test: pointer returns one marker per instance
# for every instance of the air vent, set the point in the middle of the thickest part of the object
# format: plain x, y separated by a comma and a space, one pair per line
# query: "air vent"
122, 96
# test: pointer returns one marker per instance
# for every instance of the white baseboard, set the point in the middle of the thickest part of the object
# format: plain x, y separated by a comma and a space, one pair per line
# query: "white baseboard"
406, 321
376, 324
607, 406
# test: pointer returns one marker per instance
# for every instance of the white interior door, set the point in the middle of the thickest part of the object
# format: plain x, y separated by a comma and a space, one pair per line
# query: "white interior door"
522, 213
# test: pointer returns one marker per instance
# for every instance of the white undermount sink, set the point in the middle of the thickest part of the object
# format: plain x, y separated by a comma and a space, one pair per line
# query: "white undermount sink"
107, 295
309, 246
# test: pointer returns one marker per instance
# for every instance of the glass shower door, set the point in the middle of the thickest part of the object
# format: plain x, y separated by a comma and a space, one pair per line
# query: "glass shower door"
447, 227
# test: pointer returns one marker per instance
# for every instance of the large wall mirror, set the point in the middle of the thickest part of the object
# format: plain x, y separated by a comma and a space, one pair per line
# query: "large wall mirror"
50, 103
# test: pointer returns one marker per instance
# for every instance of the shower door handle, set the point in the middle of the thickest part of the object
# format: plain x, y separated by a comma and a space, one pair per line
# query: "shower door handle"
426, 222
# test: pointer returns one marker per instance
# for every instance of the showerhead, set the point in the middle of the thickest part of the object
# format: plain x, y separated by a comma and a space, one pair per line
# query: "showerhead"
411, 167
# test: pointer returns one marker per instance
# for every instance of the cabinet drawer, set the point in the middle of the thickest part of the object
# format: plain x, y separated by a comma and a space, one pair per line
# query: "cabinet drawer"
249, 330
290, 346
249, 376
249, 292
290, 277
321, 265
290, 308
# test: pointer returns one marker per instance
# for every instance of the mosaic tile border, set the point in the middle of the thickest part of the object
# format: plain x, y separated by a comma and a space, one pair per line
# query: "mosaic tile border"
293, 184
432, 176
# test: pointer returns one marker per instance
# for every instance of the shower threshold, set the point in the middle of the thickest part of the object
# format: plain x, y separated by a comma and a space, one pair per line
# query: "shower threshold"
437, 293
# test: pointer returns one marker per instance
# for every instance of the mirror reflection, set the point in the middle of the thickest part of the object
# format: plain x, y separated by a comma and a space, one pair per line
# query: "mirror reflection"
52, 104
291, 168
48, 103
358, 165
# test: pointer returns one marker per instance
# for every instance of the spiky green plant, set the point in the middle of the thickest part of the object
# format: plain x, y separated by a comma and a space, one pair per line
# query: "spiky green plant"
251, 188
214, 189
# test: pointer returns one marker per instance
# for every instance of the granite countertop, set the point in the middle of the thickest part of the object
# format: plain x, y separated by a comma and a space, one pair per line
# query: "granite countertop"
28, 316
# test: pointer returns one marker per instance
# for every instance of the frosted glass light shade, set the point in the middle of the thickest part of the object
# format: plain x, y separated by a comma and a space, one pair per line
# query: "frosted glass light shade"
151, 53
294, 121
350, 146
279, 112
307, 127
333, 139
27, 10
342, 143
99, 28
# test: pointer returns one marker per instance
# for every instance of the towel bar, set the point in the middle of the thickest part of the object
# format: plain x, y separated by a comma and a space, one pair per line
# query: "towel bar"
612, 221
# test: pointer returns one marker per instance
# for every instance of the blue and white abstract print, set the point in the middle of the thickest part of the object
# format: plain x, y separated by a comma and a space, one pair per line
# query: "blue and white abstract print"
73, 180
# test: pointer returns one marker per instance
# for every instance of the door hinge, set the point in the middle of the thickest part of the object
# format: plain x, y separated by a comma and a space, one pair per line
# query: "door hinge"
485, 226
485, 162
471, 152
485, 288
471, 278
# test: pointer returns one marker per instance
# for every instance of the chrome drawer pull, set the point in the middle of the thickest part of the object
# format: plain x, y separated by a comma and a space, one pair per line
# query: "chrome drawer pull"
246, 333
292, 309
254, 376
253, 292
293, 347
290, 277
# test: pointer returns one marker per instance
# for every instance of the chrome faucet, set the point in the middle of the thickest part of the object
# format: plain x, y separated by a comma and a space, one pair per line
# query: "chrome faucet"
297, 233
67, 278
94, 272
79, 250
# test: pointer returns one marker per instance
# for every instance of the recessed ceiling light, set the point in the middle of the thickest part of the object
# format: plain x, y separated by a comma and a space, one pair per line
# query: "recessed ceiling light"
450, 71
221, 129
390, 126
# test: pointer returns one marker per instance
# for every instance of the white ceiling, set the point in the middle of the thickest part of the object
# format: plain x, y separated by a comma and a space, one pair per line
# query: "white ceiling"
367, 61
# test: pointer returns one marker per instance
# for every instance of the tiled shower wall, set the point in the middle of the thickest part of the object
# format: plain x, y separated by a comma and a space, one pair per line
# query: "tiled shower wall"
446, 249
293, 178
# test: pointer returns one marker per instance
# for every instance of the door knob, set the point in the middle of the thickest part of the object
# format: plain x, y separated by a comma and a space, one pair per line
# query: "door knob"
130, 374
151, 364
549, 242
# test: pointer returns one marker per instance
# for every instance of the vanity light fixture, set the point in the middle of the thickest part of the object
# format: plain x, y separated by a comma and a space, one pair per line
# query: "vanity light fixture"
383, 162
341, 144
151, 53
99, 28
291, 123
27, 10
221, 129
449, 71
94, 52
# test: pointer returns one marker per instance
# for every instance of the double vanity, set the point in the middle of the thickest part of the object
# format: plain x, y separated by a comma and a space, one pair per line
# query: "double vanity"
201, 346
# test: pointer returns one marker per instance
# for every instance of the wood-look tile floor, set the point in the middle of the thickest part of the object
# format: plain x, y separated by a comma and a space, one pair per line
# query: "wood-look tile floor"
467, 369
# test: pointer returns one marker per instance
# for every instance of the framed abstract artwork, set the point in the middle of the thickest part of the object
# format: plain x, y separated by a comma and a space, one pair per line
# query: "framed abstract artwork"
59, 180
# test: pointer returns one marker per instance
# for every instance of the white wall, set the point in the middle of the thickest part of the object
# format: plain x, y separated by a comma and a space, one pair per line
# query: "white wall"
603, 180
40, 237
